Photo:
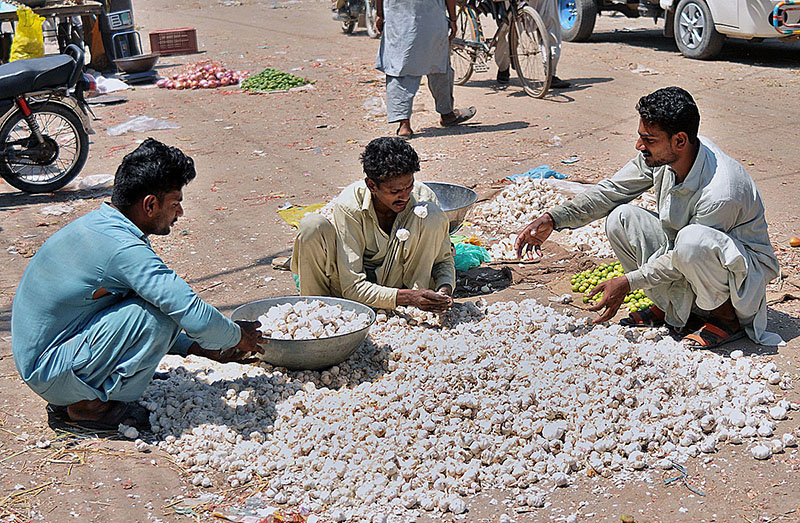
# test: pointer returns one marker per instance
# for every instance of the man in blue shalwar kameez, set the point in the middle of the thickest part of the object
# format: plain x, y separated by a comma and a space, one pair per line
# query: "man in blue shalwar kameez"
97, 309
414, 42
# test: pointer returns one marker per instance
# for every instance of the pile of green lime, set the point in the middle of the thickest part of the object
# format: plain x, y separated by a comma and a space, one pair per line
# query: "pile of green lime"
586, 281
272, 80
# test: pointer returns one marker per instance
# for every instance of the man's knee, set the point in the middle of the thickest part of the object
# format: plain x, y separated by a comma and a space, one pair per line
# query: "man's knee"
690, 247
618, 219
314, 227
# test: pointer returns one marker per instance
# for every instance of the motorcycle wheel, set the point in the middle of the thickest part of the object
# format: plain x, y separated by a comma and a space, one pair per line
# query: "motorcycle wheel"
371, 14
35, 168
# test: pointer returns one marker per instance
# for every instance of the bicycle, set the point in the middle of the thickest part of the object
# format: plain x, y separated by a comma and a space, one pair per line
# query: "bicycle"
529, 46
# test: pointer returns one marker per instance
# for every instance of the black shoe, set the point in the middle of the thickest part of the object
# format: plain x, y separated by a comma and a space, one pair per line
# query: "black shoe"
558, 83
503, 76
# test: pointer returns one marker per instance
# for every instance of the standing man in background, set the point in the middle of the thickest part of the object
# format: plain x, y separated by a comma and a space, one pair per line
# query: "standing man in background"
414, 42
549, 11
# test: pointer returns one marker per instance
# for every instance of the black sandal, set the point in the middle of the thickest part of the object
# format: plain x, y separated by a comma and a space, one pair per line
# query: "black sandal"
461, 116
646, 318
127, 413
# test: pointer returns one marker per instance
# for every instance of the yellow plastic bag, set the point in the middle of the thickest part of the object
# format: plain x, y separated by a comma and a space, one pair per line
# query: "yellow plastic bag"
28, 37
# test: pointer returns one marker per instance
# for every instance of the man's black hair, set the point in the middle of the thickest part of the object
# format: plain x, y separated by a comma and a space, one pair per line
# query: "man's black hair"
673, 110
152, 168
387, 157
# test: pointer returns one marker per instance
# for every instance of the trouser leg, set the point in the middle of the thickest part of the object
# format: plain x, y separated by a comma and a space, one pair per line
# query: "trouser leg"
549, 11
703, 256
441, 86
400, 92
314, 257
636, 236
502, 57
116, 356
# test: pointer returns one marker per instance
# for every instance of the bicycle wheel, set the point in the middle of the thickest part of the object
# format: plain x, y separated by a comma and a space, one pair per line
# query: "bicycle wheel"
461, 57
530, 51
33, 167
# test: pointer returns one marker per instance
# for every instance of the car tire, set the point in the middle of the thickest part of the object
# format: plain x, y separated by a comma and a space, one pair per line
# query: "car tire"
695, 34
577, 19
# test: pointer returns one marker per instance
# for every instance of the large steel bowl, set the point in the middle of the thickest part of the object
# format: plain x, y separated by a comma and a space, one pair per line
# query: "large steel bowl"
455, 201
137, 64
313, 354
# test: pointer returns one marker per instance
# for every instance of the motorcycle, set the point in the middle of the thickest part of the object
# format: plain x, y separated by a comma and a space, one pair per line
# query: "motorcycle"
44, 127
354, 11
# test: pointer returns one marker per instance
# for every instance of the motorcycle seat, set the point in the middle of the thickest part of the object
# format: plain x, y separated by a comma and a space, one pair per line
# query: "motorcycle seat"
24, 76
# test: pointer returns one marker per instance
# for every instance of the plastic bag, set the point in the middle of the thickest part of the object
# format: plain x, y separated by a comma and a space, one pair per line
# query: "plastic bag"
28, 37
541, 172
468, 256
141, 123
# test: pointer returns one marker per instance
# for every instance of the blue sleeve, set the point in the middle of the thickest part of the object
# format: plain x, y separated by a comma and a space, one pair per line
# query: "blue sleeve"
138, 268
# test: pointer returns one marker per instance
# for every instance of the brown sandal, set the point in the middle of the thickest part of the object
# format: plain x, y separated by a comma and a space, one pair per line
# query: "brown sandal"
711, 336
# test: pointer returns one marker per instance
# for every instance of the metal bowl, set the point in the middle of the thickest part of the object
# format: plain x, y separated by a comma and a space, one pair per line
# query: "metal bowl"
455, 201
313, 354
137, 64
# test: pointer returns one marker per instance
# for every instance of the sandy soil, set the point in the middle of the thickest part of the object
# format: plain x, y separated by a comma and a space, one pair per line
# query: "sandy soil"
256, 153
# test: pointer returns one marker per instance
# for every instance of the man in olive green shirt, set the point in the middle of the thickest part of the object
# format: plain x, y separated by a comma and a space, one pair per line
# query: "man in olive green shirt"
389, 242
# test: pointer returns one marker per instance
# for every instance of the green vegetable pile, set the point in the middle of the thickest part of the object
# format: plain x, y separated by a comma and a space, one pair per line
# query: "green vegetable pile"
272, 80
586, 281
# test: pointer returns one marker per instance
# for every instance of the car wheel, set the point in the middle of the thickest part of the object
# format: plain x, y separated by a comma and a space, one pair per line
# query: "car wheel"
694, 30
577, 19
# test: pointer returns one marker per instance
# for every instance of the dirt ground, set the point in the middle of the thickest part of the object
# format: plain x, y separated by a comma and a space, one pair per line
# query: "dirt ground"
255, 153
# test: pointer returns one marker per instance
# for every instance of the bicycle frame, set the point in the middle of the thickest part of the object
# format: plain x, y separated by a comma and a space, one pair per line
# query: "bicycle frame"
527, 37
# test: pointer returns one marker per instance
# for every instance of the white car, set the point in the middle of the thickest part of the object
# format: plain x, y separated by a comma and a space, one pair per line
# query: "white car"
698, 26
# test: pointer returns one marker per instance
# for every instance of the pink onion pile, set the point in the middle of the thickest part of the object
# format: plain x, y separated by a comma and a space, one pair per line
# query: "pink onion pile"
203, 75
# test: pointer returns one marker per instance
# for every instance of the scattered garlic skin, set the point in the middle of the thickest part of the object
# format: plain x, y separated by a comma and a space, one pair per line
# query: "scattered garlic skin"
433, 408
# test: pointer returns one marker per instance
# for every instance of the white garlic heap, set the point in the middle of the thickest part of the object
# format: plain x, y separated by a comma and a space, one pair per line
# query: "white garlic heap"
524, 201
516, 206
307, 320
424, 414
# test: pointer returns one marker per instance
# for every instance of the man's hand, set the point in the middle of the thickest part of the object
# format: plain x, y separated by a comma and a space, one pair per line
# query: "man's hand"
614, 291
531, 238
425, 299
453, 29
379, 23
251, 337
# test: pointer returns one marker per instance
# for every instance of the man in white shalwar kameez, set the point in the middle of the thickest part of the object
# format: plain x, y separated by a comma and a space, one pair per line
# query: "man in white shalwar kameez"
388, 243
415, 42
706, 251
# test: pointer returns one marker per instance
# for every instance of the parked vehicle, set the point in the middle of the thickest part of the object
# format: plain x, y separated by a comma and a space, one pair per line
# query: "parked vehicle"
44, 125
363, 13
698, 26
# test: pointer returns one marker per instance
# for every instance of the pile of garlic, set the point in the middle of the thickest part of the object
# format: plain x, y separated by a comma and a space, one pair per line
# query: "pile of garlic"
516, 206
308, 320
512, 396
524, 201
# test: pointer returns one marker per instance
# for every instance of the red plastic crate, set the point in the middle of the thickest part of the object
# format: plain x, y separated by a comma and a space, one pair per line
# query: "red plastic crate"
174, 41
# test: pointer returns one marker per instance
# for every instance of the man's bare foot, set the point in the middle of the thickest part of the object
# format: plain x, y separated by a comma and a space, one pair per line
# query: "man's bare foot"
405, 131
88, 410
101, 415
